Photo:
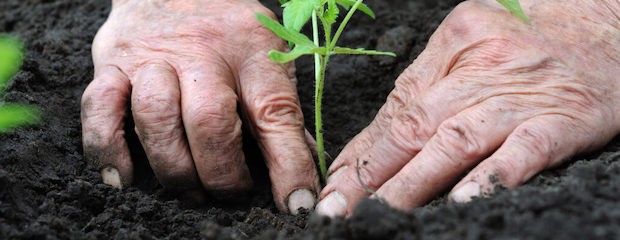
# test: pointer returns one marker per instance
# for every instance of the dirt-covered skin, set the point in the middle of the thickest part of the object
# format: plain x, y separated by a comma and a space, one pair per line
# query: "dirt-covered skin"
47, 190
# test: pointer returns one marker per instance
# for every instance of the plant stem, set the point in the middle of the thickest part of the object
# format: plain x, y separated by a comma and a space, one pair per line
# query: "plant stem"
320, 66
319, 74
318, 120
343, 24
315, 37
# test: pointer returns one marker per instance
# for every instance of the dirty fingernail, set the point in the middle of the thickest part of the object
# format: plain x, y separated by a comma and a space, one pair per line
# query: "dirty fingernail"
334, 205
466, 192
333, 176
111, 177
301, 198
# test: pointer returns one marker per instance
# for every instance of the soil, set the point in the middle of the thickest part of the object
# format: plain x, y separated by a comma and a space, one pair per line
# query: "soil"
48, 191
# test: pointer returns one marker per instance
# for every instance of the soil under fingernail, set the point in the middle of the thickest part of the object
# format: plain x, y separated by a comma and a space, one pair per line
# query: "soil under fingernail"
301, 198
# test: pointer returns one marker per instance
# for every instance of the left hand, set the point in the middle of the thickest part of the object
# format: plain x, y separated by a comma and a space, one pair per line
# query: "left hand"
192, 72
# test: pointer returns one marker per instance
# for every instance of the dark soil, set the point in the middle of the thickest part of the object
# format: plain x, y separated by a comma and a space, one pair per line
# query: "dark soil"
48, 191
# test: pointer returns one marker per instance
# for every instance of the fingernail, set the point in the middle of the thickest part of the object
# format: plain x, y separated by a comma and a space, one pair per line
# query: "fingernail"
301, 198
111, 177
466, 192
334, 205
333, 176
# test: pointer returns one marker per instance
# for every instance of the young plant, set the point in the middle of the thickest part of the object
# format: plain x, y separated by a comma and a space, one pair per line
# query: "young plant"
12, 115
296, 14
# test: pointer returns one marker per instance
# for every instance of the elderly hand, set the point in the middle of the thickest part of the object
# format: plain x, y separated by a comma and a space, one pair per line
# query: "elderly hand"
492, 99
185, 68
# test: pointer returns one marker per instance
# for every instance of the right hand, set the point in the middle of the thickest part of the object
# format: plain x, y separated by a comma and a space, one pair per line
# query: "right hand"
490, 102
185, 67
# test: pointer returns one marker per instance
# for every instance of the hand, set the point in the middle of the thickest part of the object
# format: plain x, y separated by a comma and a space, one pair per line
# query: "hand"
489, 94
185, 67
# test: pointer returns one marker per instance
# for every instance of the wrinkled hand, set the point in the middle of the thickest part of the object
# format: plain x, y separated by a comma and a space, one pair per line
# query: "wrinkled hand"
185, 67
489, 94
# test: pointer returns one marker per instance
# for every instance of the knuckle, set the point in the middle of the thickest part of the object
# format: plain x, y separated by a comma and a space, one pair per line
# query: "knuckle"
157, 117
463, 19
156, 107
535, 141
583, 99
404, 89
276, 112
216, 115
247, 21
409, 130
486, 54
361, 143
261, 39
99, 94
410, 81
457, 136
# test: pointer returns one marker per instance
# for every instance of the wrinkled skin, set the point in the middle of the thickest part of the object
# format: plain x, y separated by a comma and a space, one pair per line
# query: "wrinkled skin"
490, 95
184, 68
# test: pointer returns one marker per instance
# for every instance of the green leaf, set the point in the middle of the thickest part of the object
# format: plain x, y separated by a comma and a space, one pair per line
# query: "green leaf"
332, 12
298, 51
361, 51
15, 115
515, 8
10, 59
297, 13
282, 2
363, 7
283, 32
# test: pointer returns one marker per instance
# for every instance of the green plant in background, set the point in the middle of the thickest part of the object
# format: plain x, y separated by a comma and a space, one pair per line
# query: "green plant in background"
296, 15
515, 8
12, 115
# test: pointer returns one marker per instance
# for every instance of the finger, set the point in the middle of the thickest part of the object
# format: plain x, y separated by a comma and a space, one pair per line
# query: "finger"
450, 48
430, 66
403, 109
537, 144
459, 143
272, 106
402, 139
213, 127
104, 105
156, 109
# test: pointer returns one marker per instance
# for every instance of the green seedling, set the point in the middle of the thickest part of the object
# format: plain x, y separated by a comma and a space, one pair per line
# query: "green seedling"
12, 115
515, 8
296, 14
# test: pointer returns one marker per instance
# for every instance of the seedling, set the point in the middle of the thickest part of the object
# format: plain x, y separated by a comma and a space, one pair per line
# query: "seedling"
12, 115
296, 15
